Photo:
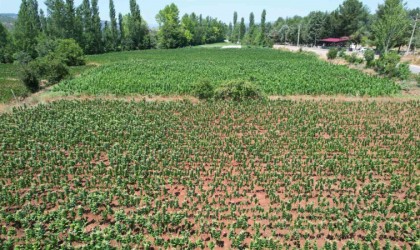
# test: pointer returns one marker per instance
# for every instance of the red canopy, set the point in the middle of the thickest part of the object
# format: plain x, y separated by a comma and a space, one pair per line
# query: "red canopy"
335, 40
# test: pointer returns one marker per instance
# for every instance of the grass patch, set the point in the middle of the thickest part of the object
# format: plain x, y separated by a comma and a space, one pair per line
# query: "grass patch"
6, 88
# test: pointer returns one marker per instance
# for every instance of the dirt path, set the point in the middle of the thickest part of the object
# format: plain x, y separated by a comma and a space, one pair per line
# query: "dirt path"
46, 97
322, 53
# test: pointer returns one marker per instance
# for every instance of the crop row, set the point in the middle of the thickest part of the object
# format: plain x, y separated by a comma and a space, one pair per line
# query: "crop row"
283, 174
175, 72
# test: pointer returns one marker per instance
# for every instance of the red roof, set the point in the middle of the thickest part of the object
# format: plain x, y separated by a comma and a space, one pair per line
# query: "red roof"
335, 40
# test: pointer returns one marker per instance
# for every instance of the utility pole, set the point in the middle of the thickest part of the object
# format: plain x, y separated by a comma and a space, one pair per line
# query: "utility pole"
298, 35
412, 35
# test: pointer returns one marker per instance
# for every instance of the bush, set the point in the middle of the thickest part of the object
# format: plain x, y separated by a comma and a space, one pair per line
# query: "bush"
342, 53
49, 68
30, 79
238, 90
69, 52
22, 58
203, 90
418, 79
403, 71
332, 53
354, 59
369, 57
388, 64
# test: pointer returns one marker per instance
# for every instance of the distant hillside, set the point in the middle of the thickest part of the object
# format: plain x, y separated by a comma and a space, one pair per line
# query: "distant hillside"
8, 20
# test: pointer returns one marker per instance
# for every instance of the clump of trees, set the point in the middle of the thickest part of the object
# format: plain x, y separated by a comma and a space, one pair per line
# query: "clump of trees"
64, 20
253, 34
187, 31
387, 28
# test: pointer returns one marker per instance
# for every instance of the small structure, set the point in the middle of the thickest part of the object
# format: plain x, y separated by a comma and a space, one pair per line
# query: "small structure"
335, 42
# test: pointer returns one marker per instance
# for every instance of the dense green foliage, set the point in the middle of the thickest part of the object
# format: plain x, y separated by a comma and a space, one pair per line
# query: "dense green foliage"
275, 175
332, 53
389, 65
49, 68
29, 78
11, 88
203, 90
238, 90
69, 52
369, 56
163, 72
391, 25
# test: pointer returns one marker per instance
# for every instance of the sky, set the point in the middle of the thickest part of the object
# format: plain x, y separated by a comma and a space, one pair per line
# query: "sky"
221, 9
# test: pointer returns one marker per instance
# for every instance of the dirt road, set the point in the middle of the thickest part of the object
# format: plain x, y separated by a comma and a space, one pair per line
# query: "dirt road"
323, 53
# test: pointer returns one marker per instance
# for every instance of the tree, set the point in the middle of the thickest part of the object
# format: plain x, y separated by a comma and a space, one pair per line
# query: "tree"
390, 25
351, 16
113, 28
43, 21
262, 37
96, 28
134, 26
70, 19
242, 29
189, 25
316, 26
6, 46
57, 18
250, 35
235, 31
170, 34
121, 27
28, 27
86, 18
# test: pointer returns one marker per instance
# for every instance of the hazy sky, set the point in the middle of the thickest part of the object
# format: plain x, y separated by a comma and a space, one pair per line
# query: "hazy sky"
222, 9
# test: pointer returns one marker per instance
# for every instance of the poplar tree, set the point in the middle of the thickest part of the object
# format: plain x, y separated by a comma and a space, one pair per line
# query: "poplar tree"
70, 27
262, 36
113, 27
122, 33
242, 29
57, 15
28, 27
134, 25
96, 29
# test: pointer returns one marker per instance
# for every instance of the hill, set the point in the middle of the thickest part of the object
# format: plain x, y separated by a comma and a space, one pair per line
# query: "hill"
8, 20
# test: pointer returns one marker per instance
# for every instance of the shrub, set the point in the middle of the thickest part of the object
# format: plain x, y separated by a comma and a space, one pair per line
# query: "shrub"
69, 52
388, 64
332, 53
238, 90
354, 59
342, 53
418, 79
403, 71
203, 90
49, 68
369, 57
22, 58
29, 78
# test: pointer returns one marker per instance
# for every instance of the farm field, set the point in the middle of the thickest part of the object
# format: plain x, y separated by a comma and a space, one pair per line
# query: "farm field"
9, 83
174, 72
258, 175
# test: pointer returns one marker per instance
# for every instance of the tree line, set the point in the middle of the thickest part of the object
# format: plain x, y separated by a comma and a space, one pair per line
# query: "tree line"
390, 26
64, 20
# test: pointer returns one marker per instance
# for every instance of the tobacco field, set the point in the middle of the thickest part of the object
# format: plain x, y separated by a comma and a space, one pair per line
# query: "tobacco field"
174, 72
254, 175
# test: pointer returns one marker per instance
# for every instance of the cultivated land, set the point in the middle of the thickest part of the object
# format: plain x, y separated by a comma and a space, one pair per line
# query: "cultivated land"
174, 72
299, 172
277, 174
